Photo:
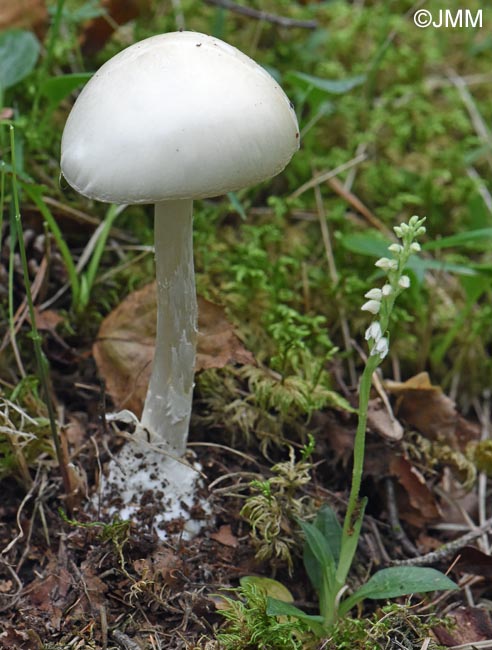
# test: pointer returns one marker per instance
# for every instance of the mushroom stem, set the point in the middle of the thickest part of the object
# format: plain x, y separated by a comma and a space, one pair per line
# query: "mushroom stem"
167, 407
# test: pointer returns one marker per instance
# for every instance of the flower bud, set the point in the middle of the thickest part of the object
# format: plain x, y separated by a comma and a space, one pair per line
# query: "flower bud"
404, 282
371, 305
374, 332
386, 264
374, 294
381, 347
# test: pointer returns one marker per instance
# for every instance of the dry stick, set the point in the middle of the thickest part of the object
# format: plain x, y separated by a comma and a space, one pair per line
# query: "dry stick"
479, 125
481, 187
447, 551
124, 641
257, 14
357, 204
325, 176
484, 418
335, 278
393, 515
23, 310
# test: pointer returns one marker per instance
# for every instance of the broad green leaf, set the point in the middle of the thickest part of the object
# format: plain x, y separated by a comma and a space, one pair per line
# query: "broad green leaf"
279, 608
57, 88
479, 236
318, 546
19, 51
366, 244
399, 581
373, 245
333, 86
327, 523
270, 587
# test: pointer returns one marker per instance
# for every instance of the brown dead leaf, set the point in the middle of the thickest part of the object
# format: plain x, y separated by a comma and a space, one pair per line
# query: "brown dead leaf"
419, 506
225, 536
425, 407
124, 349
469, 625
99, 30
218, 345
471, 559
48, 320
13, 639
383, 422
26, 14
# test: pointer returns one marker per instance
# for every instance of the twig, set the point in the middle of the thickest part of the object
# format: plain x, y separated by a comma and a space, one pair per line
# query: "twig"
477, 120
357, 204
396, 527
330, 258
124, 641
16, 595
325, 176
446, 551
257, 14
484, 418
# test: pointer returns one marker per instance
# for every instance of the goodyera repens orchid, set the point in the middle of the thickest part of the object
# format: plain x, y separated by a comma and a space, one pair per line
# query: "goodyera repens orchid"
380, 301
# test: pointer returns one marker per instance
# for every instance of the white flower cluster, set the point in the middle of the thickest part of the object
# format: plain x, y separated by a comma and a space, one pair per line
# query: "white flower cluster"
380, 301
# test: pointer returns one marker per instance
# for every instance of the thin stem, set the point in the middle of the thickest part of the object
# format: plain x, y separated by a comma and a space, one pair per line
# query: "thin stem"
36, 337
167, 407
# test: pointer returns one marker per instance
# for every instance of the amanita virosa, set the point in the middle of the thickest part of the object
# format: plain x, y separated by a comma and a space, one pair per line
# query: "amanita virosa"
173, 118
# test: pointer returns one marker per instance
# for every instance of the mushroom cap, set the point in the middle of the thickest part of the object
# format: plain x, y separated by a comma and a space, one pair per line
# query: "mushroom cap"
177, 116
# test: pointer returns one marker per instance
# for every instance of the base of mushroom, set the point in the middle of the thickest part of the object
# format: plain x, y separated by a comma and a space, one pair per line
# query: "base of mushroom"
157, 492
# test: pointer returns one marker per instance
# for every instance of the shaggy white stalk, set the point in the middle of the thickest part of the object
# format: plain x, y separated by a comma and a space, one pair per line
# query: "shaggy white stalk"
141, 468
167, 409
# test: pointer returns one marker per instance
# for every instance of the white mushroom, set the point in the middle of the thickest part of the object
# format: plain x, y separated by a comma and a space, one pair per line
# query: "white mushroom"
173, 118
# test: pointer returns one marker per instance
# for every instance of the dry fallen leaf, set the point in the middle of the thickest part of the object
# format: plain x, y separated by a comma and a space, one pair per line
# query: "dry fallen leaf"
124, 348
419, 505
225, 536
98, 31
425, 407
26, 14
469, 625
382, 421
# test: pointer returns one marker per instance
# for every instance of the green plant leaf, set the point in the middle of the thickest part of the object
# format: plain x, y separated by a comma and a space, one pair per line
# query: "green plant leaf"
318, 546
272, 588
333, 86
479, 236
280, 608
19, 51
55, 89
399, 581
327, 523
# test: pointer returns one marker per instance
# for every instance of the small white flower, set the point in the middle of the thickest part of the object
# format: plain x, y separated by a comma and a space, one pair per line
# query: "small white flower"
404, 228
421, 231
371, 305
387, 289
414, 221
374, 332
386, 264
395, 248
398, 231
374, 294
381, 347
415, 247
404, 282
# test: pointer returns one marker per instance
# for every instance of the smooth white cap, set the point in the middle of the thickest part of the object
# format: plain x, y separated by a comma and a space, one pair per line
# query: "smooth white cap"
176, 116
